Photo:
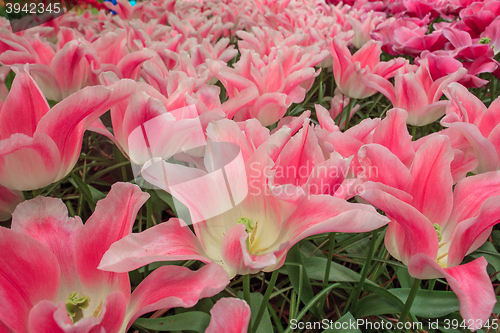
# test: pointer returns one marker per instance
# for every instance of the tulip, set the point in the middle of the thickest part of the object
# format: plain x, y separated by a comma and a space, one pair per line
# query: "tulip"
416, 92
40, 145
349, 70
469, 120
250, 206
433, 230
50, 281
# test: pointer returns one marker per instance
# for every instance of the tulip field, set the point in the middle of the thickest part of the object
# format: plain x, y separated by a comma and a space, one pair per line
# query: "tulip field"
249, 166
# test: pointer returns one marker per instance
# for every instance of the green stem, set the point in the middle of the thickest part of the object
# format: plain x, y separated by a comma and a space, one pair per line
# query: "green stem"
431, 284
246, 295
409, 302
265, 300
364, 273
312, 302
330, 257
414, 132
352, 102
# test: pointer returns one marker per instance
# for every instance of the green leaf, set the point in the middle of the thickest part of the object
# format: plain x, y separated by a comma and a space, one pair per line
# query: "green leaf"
8, 80
294, 257
193, 321
265, 325
167, 198
83, 189
343, 325
490, 253
378, 303
404, 278
427, 303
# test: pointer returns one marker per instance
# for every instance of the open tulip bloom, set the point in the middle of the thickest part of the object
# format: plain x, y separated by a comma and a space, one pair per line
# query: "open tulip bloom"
436, 226
49, 279
40, 145
250, 227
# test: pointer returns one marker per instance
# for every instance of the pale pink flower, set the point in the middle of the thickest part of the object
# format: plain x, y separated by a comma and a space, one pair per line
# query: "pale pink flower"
61, 289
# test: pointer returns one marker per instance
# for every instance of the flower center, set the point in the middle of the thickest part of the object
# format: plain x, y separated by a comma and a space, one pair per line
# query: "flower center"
76, 303
440, 238
252, 240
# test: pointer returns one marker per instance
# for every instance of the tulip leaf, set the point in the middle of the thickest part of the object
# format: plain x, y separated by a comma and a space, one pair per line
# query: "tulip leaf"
427, 303
190, 321
488, 251
298, 276
343, 325
8, 80
84, 189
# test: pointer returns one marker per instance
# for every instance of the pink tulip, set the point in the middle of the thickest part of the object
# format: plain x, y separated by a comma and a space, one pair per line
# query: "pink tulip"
277, 192
61, 73
434, 229
363, 24
9, 199
229, 315
39, 145
264, 87
416, 92
386, 31
61, 289
143, 128
470, 120
349, 70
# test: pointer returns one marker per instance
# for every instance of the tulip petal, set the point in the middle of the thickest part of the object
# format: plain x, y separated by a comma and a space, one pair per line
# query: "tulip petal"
29, 273
28, 163
171, 240
432, 182
470, 282
230, 315
173, 286
47, 221
417, 234
112, 220
24, 107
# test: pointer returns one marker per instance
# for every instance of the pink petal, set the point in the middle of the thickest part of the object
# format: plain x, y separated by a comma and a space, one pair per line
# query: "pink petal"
416, 235
318, 214
29, 273
380, 84
47, 221
236, 257
24, 107
484, 150
129, 64
269, 108
66, 128
380, 165
171, 240
431, 186
229, 315
28, 163
112, 220
298, 158
473, 232
470, 282
490, 118
392, 133
173, 286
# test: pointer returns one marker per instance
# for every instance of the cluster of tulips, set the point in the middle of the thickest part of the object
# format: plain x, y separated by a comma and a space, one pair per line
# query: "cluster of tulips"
259, 122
